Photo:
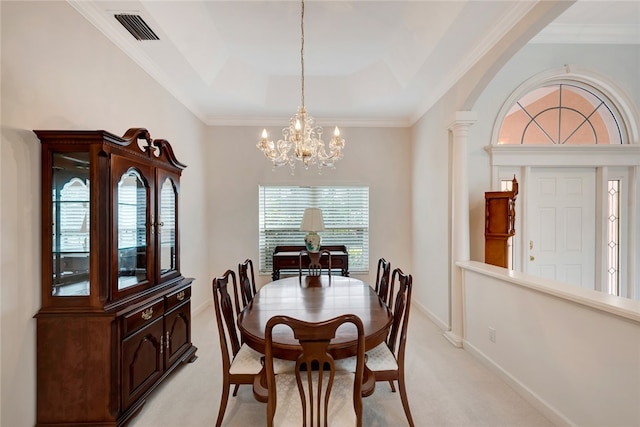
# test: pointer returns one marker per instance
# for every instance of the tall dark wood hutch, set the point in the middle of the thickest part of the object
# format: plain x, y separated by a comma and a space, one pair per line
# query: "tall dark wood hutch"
500, 217
115, 318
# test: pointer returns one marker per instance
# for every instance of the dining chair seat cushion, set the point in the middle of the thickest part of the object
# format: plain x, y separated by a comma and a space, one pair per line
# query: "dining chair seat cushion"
289, 404
379, 358
246, 361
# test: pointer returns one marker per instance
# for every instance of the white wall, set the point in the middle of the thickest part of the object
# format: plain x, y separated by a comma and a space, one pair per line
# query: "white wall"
431, 214
377, 157
59, 72
573, 353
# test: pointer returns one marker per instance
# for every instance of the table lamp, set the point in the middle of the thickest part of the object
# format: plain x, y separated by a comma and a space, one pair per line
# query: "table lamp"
312, 223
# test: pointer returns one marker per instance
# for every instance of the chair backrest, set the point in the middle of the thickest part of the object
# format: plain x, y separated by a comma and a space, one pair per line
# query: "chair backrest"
226, 317
400, 308
315, 361
247, 284
315, 266
382, 279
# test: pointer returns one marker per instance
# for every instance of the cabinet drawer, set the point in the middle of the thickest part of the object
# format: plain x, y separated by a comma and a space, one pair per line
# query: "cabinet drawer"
144, 315
178, 297
289, 262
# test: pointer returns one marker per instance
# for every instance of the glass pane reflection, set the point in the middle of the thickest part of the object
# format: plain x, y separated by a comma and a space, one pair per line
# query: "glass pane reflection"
132, 230
167, 229
70, 227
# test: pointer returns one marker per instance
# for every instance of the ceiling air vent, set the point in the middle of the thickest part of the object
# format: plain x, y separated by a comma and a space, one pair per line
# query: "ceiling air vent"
136, 26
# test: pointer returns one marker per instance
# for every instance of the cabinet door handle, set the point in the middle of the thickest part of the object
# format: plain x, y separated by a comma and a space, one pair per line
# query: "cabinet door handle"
180, 295
167, 341
161, 344
147, 314
532, 258
152, 224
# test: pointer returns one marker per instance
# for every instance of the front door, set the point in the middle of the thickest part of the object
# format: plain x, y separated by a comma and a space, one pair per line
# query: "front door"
562, 208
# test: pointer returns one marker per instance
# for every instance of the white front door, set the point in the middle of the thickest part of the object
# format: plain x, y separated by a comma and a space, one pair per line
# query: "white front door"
562, 225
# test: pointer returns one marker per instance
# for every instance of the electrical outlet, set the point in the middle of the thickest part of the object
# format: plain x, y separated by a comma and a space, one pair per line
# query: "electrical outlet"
492, 334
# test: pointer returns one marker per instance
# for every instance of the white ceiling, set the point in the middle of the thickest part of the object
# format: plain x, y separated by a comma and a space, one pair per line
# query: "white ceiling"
384, 62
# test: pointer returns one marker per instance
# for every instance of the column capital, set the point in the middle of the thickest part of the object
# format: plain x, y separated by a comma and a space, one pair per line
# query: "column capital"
463, 118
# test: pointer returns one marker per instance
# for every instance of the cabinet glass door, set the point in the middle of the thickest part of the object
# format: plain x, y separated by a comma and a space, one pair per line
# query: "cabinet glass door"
70, 228
132, 230
167, 226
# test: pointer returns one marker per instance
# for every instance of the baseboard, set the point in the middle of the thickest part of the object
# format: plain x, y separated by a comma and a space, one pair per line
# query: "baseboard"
435, 319
202, 307
551, 413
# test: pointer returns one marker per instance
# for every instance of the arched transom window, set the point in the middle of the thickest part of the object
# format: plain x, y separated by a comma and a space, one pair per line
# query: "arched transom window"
561, 114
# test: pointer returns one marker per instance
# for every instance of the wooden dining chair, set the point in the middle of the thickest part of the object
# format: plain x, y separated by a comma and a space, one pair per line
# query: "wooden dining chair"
315, 392
315, 266
386, 360
247, 284
382, 280
240, 363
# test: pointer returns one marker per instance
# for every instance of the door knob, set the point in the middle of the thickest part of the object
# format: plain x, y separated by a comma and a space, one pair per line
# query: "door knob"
532, 258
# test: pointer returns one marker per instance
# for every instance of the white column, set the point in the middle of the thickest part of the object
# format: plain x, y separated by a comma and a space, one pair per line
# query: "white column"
459, 129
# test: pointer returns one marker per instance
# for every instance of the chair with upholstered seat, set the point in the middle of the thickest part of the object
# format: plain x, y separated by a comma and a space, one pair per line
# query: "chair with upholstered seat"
240, 363
382, 280
315, 266
315, 394
247, 283
387, 359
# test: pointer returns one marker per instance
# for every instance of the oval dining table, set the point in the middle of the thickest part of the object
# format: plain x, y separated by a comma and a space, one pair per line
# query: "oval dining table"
315, 299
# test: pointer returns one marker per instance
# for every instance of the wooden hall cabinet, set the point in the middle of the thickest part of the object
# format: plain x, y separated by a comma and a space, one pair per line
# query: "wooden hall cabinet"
500, 217
115, 318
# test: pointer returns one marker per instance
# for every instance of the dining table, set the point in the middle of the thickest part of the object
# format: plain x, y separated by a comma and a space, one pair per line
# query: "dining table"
315, 299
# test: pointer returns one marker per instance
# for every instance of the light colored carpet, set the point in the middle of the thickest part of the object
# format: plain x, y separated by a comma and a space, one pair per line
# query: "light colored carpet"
447, 387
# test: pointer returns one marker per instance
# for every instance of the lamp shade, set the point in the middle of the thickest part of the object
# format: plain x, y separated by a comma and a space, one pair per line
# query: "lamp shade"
312, 220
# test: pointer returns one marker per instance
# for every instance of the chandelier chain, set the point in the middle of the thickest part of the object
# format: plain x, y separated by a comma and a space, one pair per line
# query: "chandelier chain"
302, 49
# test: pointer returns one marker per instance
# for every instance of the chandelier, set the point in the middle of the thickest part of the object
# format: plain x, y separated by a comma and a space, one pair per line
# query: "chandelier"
302, 139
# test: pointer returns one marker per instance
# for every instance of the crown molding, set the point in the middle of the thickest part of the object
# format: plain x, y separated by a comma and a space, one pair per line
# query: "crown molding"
587, 34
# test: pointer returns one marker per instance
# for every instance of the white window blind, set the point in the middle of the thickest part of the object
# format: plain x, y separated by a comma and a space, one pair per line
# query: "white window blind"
345, 211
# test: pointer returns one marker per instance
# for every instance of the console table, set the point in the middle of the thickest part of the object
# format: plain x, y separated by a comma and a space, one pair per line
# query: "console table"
288, 258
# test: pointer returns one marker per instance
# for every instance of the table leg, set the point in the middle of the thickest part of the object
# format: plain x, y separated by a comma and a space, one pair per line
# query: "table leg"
368, 382
260, 390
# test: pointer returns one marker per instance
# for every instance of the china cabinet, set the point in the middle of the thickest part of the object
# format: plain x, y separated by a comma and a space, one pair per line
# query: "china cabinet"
115, 318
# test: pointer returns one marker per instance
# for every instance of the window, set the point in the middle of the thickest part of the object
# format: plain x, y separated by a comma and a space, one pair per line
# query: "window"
561, 114
345, 211
613, 237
